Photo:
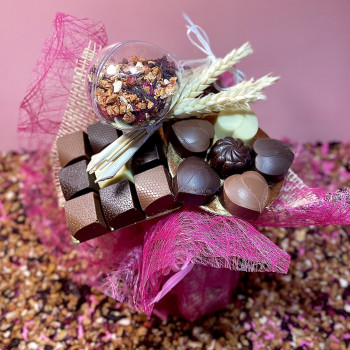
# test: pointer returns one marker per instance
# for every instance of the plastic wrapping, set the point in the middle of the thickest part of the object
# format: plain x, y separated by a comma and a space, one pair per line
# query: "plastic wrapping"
131, 84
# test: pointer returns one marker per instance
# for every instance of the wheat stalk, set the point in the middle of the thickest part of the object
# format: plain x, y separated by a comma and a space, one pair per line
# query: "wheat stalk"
208, 75
235, 97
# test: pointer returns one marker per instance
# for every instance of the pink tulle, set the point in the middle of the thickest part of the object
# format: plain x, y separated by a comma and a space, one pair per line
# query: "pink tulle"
133, 264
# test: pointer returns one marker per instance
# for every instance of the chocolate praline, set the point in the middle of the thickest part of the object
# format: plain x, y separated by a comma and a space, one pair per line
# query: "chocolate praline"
246, 195
273, 158
192, 137
230, 156
195, 183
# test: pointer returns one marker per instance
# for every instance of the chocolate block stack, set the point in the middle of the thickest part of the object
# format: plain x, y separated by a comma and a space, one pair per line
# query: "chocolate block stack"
140, 190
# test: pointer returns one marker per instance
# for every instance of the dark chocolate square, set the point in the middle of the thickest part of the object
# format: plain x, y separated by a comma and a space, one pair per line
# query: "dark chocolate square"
84, 217
150, 155
75, 181
72, 148
100, 136
120, 205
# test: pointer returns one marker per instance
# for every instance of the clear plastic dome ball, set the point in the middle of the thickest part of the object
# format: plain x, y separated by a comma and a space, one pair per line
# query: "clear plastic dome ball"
131, 84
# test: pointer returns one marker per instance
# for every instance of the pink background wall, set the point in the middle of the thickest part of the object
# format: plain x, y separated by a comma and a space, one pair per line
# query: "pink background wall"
307, 43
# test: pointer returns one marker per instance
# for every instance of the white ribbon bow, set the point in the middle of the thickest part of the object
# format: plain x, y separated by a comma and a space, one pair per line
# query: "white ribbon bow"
202, 42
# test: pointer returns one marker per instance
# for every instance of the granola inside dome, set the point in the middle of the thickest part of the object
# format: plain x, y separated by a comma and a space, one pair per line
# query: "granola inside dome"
135, 91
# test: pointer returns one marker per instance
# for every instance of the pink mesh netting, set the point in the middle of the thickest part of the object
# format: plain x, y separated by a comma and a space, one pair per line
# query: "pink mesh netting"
179, 253
42, 108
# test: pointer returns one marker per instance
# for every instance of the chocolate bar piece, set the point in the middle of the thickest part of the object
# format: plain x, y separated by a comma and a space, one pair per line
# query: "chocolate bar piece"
154, 190
75, 181
72, 148
150, 155
120, 205
84, 217
101, 135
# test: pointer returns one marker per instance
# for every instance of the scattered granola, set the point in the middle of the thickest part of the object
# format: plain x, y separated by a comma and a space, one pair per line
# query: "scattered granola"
43, 307
136, 91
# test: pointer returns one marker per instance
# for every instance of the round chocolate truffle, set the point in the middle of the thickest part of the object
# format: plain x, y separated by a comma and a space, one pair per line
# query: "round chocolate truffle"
246, 195
229, 156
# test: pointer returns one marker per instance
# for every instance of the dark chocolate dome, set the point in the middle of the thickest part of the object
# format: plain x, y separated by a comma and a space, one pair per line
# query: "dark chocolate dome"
229, 156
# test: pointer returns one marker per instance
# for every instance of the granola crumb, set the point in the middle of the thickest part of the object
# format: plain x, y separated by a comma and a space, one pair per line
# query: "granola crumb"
42, 306
129, 118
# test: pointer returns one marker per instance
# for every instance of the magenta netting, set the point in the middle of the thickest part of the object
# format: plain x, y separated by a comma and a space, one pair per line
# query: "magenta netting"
42, 108
179, 253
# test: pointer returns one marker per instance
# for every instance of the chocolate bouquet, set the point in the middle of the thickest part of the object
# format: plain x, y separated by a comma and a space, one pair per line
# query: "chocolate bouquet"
162, 170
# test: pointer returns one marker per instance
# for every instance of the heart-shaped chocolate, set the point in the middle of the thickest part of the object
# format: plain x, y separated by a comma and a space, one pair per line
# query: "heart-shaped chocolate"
195, 182
246, 195
273, 158
192, 137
